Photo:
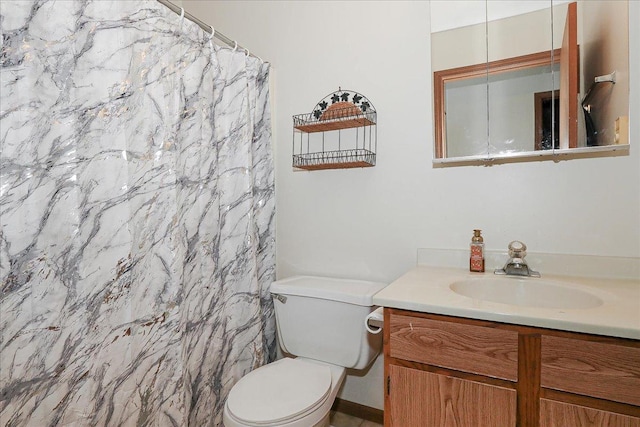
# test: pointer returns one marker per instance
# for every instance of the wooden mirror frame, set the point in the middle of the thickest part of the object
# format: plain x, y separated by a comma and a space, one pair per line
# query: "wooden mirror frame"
442, 77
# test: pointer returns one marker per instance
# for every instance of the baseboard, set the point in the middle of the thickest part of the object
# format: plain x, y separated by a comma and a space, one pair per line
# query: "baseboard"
357, 410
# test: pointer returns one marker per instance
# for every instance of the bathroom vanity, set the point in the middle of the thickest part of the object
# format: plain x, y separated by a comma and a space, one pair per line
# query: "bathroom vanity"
455, 360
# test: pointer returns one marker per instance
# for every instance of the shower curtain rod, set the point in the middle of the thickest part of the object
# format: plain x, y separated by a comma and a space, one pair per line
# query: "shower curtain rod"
206, 27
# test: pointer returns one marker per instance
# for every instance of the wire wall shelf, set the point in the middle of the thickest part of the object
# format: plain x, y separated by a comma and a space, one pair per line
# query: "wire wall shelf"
339, 133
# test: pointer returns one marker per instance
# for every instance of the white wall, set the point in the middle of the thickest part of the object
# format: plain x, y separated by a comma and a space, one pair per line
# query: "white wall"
368, 223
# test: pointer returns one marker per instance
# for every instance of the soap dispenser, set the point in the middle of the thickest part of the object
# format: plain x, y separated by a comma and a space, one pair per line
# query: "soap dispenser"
476, 257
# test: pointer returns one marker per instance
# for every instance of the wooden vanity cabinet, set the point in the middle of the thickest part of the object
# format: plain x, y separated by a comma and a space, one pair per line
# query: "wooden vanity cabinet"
449, 371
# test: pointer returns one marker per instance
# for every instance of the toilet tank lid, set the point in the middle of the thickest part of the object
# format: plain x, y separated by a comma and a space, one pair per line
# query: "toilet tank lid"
359, 292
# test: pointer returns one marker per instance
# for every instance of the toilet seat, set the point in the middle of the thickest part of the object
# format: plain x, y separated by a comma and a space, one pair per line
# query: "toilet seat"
279, 393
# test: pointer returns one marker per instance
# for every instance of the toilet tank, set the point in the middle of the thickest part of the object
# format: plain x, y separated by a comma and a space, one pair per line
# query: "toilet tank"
323, 318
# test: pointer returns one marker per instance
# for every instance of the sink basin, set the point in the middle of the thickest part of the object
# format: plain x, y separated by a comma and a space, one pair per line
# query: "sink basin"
526, 292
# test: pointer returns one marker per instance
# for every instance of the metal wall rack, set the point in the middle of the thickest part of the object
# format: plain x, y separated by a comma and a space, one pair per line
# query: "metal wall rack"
318, 140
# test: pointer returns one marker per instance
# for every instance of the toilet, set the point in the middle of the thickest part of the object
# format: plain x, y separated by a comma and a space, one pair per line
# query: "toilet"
321, 330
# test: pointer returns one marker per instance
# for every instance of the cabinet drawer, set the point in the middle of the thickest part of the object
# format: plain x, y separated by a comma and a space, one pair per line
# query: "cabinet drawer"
603, 370
554, 414
469, 348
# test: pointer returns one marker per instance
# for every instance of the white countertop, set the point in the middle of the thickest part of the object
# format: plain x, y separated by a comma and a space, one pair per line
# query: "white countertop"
426, 289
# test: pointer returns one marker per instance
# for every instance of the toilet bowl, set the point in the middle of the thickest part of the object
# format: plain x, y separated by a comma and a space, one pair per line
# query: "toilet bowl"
287, 393
321, 324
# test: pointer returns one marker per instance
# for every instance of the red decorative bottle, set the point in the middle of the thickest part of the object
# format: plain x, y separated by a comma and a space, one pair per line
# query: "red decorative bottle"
476, 258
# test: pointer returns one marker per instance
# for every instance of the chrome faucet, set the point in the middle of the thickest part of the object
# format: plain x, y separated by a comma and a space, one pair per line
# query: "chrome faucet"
516, 265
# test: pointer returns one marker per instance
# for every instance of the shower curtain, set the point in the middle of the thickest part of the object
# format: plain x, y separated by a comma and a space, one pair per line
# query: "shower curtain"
137, 216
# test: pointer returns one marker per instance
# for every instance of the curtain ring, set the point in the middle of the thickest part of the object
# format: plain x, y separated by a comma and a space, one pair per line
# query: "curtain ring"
247, 50
213, 32
236, 46
181, 16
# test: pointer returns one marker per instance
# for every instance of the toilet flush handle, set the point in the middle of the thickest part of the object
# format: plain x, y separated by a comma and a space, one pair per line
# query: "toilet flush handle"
281, 298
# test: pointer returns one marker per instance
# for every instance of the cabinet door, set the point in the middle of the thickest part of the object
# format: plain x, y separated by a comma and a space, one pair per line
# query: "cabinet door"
553, 414
419, 398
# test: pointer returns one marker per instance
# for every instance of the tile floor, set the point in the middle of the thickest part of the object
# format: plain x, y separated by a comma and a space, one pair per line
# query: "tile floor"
338, 419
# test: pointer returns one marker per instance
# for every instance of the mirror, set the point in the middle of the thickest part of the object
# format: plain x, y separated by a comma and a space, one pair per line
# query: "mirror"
529, 78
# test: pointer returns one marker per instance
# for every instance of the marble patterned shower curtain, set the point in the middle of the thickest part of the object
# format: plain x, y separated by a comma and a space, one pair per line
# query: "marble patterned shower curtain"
137, 216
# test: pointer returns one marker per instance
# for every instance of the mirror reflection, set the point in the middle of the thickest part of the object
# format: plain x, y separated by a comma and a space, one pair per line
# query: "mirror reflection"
527, 77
